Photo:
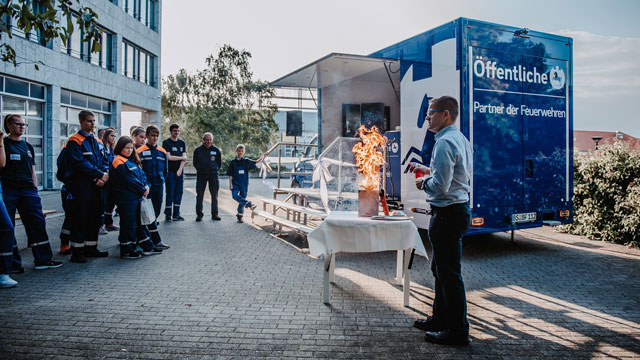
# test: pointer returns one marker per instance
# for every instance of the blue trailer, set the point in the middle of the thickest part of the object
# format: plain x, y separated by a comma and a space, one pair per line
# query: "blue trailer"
515, 89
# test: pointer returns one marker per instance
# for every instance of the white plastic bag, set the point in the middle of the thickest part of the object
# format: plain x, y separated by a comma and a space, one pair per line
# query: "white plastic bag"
147, 214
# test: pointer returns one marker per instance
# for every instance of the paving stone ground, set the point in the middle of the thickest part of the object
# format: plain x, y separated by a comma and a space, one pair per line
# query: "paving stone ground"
228, 290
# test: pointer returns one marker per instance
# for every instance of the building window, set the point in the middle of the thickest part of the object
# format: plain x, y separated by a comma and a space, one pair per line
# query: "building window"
26, 99
142, 10
82, 49
138, 64
71, 103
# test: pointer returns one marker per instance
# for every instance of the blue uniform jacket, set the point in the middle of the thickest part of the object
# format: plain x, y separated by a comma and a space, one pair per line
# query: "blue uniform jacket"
86, 161
154, 163
239, 172
127, 180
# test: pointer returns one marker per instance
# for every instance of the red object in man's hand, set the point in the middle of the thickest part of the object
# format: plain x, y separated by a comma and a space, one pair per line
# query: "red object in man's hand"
417, 173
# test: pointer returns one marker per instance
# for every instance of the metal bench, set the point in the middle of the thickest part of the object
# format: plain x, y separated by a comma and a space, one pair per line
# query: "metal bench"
282, 222
293, 208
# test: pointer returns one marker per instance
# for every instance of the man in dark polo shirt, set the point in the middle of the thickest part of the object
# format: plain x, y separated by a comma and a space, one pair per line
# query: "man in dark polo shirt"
207, 160
174, 183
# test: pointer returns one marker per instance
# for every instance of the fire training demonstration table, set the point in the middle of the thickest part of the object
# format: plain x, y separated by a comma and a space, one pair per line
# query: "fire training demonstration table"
345, 231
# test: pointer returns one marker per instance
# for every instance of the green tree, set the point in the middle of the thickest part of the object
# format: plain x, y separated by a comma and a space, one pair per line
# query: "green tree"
607, 195
49, 19
222, 99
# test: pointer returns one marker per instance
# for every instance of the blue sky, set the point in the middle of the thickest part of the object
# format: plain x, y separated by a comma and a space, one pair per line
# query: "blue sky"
283, 35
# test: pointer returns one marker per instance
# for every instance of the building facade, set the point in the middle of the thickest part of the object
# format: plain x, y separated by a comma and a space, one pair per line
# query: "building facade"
123, 76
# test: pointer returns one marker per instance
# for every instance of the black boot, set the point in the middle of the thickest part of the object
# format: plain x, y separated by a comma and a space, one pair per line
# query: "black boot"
77, 255
94, 252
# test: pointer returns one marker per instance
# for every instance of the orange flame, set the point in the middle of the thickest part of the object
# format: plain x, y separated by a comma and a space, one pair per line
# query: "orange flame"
368, 157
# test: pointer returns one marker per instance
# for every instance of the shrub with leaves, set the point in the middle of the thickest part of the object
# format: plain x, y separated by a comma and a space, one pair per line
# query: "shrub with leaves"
607, 195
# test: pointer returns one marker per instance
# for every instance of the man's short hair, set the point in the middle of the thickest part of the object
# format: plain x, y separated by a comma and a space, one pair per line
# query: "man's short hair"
84, 115
205, 135
448, 103
240, 146
152, 129
174, 126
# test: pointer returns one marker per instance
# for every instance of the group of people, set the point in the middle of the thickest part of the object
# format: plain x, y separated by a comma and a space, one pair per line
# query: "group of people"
100, 176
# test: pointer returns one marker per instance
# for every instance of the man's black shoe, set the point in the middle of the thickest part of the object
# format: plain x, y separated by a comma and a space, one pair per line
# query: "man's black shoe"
79, 259
95, 253
178, 218
448, 337
17, 269
429, 324
199, 218
215, 217
239, 217
131, 255
167, 218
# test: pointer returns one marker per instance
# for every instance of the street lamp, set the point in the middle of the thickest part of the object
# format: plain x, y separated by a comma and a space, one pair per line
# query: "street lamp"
596, 139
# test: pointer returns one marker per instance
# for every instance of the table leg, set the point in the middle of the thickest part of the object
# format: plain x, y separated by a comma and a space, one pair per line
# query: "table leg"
332, 269
399, 268
407, 277
326, 271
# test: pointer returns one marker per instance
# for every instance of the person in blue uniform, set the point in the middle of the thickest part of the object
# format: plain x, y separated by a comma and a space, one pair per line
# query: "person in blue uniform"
238, 172
207, 160
87, 176
129, 186
6, 233
109, 141
65, 231
20, 192
154, 164
177, 154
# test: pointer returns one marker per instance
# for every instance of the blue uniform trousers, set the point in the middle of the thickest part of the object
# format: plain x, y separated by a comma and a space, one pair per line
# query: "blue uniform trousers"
28, 204
201, 185
6, 239
239, 194
65, 232
448, 225
132, 233
86, 208
174, 185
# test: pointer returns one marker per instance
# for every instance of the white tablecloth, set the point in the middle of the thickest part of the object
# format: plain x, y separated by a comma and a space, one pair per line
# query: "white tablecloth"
345, 231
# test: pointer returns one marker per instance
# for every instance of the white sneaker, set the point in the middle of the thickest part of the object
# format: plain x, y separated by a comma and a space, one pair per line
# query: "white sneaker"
102, 231
7, 282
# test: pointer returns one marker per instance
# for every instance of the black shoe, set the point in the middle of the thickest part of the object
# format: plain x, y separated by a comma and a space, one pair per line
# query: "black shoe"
51, 264
448, 337
95, 253
239, 217
131, 255
178, 218
199, 218
17, 269
77, 258
167, 218
156, 251
215, 217
162, 246
429, 324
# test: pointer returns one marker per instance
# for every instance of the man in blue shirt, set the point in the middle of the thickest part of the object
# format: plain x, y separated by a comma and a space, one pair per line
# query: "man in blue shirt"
447, 186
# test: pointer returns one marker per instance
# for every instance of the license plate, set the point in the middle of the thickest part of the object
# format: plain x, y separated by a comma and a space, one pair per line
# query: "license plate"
523, 218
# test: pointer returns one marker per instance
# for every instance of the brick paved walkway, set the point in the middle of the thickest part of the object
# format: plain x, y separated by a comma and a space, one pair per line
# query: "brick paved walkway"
230, 290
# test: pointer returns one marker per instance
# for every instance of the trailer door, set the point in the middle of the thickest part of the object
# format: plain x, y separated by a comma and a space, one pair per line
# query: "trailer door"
545, 119
496, 129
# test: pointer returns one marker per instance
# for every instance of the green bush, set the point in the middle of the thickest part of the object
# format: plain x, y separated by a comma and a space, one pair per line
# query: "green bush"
607, 195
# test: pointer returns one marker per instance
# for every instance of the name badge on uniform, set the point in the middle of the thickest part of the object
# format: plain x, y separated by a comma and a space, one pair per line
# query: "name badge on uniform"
240, 172
181, 149
174, 149
146, 153
14, 157
213, 153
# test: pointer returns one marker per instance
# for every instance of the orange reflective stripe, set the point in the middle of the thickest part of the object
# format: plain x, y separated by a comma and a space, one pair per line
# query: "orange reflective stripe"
142, 148
119, 160
77, 138
161, 149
